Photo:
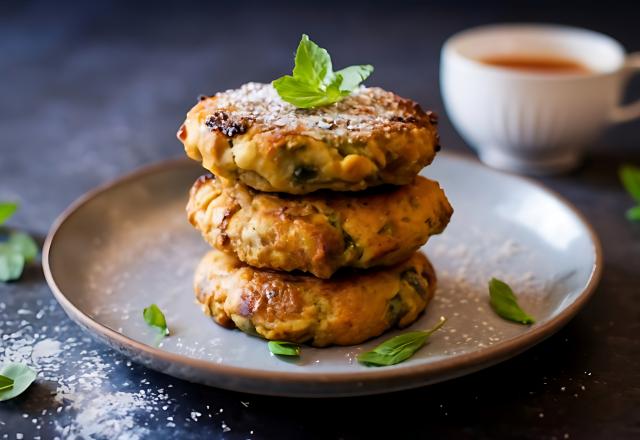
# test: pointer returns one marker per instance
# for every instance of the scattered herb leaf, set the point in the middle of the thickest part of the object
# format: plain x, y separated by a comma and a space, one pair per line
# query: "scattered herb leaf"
630, 177
6, 383
24, 244
633, 214
314, 83
284, 348
399, 348
505, 304
19, 249
21, 375
6, 210
11, 263
155, 318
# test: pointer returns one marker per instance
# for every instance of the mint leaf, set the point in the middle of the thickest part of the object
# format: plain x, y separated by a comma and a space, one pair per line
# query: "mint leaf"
312, 63
19, 249
630, 177
352, 76
314, 83
21, 375
24, 244
6, 211
399, 348
6, 383
299, 93
154, 317
505, 304
11, 263
334, 90
283, 348
633, 214
305, 96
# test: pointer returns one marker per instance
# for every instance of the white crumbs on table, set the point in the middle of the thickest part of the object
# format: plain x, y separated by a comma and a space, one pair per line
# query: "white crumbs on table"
85, 402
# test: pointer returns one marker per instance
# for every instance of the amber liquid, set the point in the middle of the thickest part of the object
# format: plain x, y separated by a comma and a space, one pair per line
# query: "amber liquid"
538, 64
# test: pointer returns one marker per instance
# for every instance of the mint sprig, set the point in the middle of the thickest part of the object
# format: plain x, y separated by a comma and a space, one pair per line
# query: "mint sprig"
23, 243
314, 83
6, 210
17, 250
11, 263
630, 177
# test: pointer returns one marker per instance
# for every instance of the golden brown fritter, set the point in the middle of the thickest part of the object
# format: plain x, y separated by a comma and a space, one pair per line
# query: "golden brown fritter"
345, 310
252, 136
321, 232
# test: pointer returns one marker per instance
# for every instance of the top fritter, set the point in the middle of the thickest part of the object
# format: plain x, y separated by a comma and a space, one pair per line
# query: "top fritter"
369, 138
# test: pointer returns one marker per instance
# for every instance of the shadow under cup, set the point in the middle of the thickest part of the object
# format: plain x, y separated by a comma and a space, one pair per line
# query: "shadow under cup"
534, 121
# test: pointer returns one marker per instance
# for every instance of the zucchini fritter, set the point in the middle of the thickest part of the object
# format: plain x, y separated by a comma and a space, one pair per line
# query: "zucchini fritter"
252, 136
322, 232
348, 309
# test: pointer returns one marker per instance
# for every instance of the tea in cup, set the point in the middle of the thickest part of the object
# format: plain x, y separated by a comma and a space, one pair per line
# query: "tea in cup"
531, 98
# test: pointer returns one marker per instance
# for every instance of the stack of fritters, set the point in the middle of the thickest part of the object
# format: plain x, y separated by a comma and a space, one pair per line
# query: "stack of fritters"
293, 258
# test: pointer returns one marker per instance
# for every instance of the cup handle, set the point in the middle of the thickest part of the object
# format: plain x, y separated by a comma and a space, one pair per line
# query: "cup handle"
630, 111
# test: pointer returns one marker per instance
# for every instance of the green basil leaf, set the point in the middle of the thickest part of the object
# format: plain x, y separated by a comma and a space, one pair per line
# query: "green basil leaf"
11, 263
633, 214
352, 76
24, 244
314, 84
284, 348
6, 211
154, 317
334, 90
6, 383
399, 348
395, 350
21, 375
298, 93
312, 63
630, 177
505, 304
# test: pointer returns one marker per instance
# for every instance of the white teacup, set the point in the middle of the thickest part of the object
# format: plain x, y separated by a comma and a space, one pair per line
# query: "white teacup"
527, 121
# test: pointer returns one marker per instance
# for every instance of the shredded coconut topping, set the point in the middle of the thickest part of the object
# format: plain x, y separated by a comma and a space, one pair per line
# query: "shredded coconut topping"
365, 110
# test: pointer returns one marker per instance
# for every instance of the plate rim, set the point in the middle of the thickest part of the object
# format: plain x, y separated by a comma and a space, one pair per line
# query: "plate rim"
412, 375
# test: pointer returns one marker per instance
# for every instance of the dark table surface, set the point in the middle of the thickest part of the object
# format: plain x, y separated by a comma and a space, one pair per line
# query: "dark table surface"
93, 90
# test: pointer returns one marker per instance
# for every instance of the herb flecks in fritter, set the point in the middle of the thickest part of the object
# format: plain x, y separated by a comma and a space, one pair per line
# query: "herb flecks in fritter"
347, 309
369, 138
316, 233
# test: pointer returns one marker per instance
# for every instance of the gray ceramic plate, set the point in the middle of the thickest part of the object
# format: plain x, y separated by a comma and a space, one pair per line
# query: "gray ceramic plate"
128, 244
